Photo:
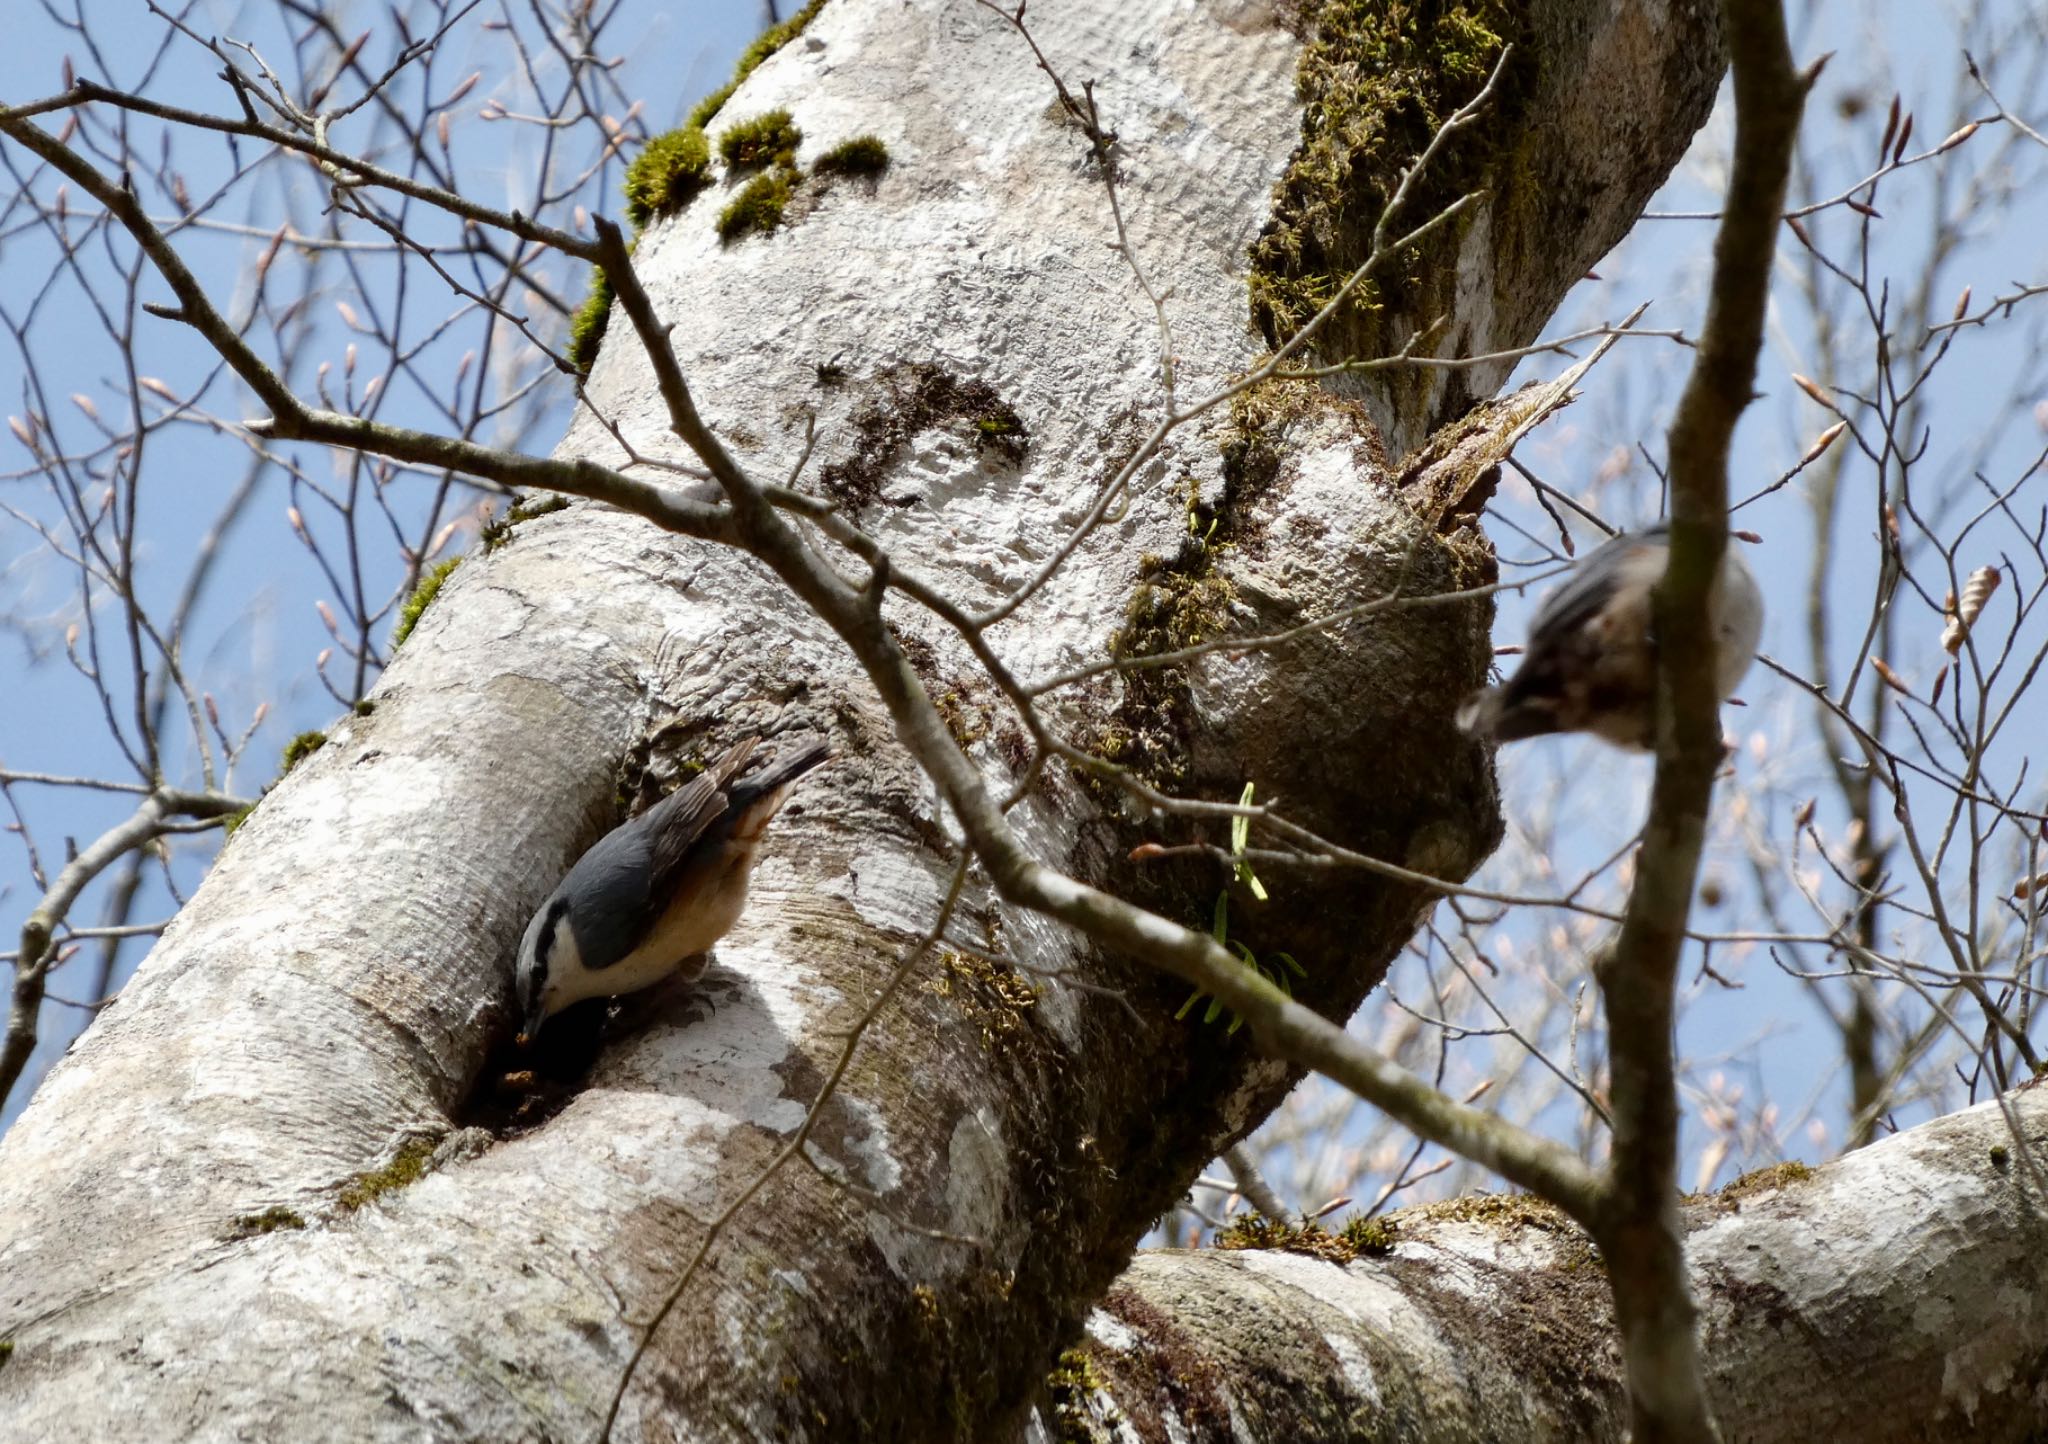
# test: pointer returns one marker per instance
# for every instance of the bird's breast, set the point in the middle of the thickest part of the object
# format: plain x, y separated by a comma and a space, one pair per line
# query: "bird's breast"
707, 902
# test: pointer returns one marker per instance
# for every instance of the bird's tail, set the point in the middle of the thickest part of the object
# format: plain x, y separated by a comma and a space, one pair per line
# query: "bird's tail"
753, 800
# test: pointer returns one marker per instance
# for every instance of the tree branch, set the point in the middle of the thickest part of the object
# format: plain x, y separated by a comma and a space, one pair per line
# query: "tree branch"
1638, 1216
38, 954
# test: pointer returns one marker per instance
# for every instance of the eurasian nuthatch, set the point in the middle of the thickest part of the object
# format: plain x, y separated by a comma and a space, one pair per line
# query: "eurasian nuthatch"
649, 899
1590, 665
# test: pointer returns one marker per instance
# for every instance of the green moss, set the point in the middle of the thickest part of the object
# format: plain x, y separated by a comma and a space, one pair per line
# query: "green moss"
1174, 608
709, 105
407, 1167
1514, 1210
1764, 1180
759, 205
1074, 1386
1376, 81
769, 138
993, 996
6, 1351
301, 747
770, 41
1370, 1235
666, 175
669, 172
364, 707
587, 326
1999, 1157
863, 155
270, 1220
497, 531
1176, 604
295, 751
1358, 1237
422, 596
966, 720
1253, 444
1509, 1213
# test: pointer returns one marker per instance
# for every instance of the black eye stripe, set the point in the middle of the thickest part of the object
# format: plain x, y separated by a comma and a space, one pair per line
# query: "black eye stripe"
546, 942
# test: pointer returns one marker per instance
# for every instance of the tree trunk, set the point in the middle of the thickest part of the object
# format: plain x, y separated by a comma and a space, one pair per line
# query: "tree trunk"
215, 1221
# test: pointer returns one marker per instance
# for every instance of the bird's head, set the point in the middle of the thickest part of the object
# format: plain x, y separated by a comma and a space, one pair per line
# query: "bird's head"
547, 954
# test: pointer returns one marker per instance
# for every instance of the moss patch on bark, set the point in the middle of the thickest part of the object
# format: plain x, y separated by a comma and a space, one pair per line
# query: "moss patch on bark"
1377, 80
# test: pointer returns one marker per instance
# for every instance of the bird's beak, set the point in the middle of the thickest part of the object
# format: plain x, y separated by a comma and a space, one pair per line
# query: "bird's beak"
535, 1016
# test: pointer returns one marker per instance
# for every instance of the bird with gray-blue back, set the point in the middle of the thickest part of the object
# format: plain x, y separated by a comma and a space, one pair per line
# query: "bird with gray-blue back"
1591, 660
646, 903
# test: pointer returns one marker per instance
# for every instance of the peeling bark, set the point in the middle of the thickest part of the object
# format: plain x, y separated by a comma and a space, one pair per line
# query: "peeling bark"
333, 994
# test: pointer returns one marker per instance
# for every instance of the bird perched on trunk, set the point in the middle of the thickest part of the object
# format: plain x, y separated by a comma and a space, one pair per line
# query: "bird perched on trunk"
1590, 665
648, 900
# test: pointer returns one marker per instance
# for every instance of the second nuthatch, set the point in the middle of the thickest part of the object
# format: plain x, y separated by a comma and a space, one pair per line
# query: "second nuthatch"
1590, 665
649, 899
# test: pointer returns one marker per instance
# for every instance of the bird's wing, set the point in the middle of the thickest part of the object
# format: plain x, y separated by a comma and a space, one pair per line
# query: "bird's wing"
609, 883
676, 822
1579, 598
628, 878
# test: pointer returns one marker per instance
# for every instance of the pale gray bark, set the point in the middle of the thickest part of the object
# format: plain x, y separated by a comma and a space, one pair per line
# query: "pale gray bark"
336, 986
1892, 1295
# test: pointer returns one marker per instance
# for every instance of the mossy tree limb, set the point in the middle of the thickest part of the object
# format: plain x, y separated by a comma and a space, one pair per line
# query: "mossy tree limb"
1491, 1317
1376, 80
